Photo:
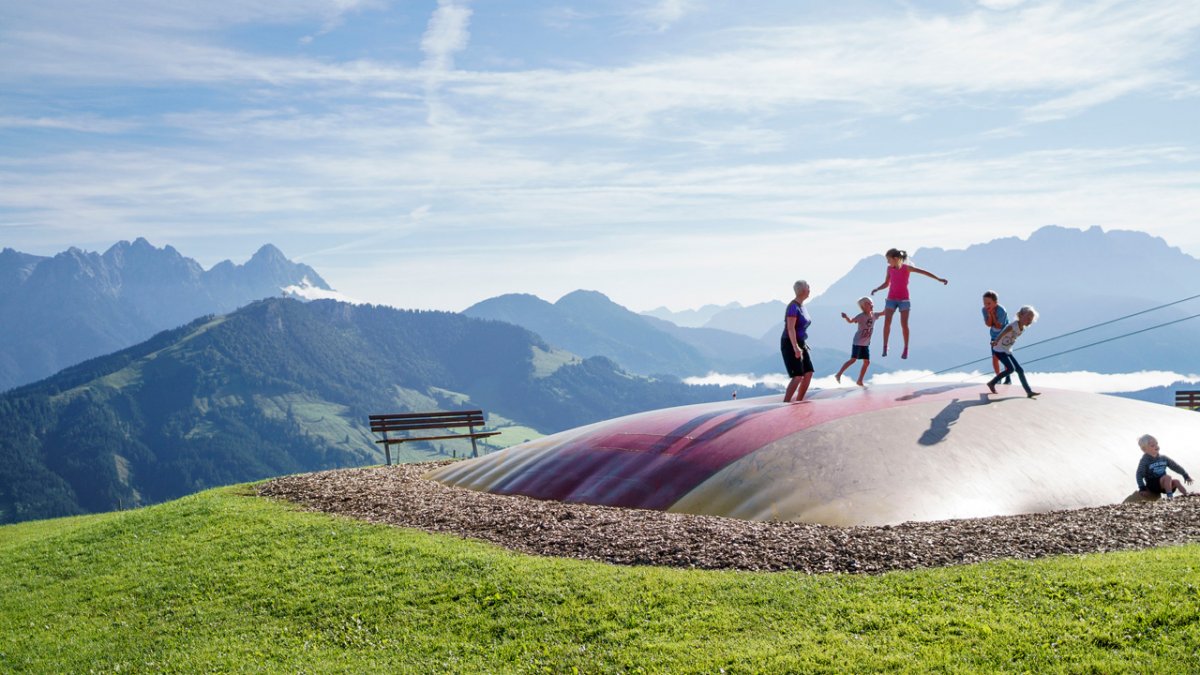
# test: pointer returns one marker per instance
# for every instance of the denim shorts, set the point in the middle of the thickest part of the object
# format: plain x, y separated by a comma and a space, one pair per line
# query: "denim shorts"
902, 305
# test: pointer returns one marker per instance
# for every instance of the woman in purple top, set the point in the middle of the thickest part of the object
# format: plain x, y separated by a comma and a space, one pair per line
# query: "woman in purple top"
795, 353
896, 282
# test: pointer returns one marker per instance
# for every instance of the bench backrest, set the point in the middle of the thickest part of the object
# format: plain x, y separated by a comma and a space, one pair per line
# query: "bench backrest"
428, 420
1187, 399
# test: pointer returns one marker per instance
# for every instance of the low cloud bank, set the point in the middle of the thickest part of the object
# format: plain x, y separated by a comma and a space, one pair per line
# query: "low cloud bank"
1081, 380
305, 290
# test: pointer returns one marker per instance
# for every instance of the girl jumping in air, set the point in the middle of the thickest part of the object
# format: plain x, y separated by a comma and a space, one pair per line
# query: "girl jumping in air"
896, 282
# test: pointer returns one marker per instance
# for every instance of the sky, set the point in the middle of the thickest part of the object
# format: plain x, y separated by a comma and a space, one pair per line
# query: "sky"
664, 152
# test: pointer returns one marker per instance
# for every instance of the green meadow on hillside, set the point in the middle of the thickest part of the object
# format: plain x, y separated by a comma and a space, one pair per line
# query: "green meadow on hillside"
226, 581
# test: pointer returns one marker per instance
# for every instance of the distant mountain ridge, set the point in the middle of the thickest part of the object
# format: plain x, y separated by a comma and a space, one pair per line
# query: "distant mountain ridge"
588, 323
1076, 279
60, 310
281, 386
734, 317
691, 318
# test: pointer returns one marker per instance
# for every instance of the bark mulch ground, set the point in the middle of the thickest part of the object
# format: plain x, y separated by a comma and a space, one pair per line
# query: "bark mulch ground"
399, 496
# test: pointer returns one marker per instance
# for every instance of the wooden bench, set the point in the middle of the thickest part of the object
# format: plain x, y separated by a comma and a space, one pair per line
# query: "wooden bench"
408, 422
1187, 399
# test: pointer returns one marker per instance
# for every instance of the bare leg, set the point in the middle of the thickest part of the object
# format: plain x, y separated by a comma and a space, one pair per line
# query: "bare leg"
887, 326
862, 374
804, 386
845, 365
791, 389
904, 331
1169, 484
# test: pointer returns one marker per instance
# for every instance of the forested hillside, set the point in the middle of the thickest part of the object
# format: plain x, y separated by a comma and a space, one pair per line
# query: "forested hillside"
282, 386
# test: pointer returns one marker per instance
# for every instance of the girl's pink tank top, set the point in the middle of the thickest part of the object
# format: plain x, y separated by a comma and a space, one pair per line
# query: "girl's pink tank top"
898, 282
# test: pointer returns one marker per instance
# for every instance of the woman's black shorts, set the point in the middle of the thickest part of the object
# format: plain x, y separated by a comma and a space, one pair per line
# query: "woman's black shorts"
796, 367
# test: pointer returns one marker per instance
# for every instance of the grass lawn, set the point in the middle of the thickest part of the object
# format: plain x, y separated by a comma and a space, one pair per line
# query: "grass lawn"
224, 581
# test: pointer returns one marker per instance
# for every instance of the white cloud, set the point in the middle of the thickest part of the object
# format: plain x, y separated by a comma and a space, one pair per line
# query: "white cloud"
1100, 383
1001, 5
446, 35
1063, 58
305, 290
661, 14
84, 123
658, 233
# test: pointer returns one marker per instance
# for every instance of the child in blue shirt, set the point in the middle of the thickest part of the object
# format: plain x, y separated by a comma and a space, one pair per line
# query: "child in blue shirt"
995, 317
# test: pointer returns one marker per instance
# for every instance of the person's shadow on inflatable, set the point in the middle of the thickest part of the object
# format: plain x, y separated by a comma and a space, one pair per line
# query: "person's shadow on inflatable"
939, 426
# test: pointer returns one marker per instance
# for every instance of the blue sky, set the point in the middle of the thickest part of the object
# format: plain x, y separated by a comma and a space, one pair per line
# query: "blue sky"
665, 152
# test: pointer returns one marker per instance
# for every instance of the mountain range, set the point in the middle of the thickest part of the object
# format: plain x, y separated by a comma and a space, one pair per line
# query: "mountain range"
588, 323
282, 386
60, 310
1078, 279
752, 320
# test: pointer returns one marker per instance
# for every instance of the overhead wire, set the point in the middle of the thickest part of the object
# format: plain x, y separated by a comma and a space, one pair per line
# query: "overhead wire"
1082, 330
1116, 337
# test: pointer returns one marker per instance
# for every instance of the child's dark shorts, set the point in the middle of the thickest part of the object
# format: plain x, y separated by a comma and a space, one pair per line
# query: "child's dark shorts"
860, 352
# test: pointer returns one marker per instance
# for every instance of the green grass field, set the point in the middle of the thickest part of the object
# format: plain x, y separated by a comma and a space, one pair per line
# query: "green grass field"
224, 581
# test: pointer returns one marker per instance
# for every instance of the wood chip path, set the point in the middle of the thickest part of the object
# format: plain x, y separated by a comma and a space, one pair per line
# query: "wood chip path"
399, 496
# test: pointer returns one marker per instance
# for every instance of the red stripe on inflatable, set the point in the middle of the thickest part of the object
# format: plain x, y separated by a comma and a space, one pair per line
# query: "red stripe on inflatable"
652, 459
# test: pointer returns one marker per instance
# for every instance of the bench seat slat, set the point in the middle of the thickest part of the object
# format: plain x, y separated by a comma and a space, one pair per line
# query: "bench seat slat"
394, 441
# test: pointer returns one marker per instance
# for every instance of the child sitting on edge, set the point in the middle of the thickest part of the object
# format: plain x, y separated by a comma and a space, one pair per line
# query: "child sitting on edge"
861, 349
1152, 477
1002, 347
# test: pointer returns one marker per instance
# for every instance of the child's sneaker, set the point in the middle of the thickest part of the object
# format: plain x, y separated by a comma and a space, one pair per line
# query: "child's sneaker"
1170, 495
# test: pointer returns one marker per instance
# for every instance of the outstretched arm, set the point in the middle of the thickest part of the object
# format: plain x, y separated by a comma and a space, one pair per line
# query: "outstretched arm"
1178, 469
931, 275
886, 281
847, 318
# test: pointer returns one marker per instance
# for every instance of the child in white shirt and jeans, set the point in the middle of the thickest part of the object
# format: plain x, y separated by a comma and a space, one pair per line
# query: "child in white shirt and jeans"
1002, 347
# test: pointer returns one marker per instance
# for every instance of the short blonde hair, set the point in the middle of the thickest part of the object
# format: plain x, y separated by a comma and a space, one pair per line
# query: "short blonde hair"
1028, 309
864, 300
1145, 440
